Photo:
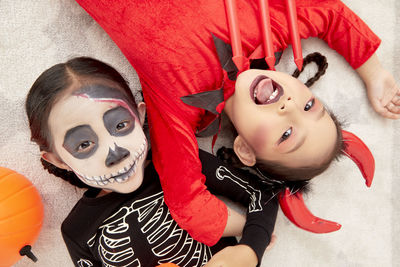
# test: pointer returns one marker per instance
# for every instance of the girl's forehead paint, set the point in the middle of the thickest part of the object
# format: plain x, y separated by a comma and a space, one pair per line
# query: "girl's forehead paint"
104, 93
99, 91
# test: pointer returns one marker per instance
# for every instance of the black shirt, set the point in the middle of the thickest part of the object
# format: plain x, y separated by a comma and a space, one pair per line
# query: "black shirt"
136, 229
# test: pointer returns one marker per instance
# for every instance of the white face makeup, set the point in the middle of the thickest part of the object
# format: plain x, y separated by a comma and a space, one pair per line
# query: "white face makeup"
96, 133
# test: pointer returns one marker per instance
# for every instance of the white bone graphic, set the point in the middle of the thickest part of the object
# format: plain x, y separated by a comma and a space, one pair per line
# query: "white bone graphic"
255, 194
169, 242
84, 263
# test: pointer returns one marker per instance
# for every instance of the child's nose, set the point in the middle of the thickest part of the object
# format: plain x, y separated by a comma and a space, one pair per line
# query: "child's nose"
117, 155
286, 105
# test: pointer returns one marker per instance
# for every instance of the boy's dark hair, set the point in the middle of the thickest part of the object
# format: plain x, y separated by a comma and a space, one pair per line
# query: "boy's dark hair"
279, 176
45, 92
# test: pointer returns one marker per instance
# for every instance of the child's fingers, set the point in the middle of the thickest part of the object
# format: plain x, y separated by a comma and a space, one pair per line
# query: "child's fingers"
376, 104
393, 116
396, 100
391, 92
383, 111
389, 115
393, 108
272, 242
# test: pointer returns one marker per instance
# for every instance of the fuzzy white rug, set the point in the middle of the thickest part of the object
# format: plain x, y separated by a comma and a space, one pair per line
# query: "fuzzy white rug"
34, 35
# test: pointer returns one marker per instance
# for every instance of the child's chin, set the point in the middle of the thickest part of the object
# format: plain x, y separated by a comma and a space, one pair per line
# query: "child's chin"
129, 186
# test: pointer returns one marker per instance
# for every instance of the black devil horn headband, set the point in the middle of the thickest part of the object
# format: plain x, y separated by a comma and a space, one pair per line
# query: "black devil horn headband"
292, 204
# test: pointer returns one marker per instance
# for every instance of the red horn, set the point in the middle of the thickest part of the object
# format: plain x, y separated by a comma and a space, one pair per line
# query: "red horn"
293, 205
357, 151
296, 211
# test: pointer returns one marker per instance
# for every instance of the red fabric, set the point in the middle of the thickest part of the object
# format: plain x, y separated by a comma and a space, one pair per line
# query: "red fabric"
170, 46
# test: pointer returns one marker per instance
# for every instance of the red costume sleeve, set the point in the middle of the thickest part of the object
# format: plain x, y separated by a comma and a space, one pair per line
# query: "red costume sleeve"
169, 44
331, 21
175, 153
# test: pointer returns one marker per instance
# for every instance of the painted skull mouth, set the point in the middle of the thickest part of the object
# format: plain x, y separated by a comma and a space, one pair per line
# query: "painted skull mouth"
264, 90
120, 176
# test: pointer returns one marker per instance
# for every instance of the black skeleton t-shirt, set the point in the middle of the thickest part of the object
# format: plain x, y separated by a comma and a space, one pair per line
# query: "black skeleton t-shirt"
136, 229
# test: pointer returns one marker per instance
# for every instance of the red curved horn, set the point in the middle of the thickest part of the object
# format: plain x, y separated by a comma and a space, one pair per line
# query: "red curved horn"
295, 210
293, 205
357, 151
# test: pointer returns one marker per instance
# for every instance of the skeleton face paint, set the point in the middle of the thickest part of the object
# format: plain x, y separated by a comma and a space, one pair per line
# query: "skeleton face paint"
98, 135
81, 141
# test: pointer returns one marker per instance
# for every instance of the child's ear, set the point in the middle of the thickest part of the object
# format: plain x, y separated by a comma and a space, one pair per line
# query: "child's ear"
244, 152
141, 107
55, 160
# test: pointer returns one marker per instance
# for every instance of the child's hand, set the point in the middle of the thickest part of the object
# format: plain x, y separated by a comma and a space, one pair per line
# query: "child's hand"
234, 256
271, 243
382, 89
384, 94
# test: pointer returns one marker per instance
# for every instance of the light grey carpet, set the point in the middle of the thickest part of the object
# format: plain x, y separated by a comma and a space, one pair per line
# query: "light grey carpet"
37, 34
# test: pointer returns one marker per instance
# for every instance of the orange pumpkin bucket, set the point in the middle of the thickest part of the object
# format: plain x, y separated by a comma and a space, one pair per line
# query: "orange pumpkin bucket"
21, 216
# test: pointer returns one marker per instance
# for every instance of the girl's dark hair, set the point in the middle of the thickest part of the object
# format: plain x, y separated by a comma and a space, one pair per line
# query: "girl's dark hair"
279, 176
49, 86
321, 62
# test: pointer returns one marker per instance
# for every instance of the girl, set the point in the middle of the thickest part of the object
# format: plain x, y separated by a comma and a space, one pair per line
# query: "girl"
89, 130
169, 43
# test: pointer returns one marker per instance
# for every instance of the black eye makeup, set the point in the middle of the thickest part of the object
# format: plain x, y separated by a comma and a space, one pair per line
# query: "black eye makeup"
309, 104
119, 121
81, 141
85, 145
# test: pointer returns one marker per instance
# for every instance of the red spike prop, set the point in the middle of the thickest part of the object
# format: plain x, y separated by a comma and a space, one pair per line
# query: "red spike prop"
238, 58
293, 205
294, 33
267, 35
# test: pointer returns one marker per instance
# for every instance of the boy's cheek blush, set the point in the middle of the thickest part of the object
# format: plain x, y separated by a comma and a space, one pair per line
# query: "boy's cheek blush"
259, 138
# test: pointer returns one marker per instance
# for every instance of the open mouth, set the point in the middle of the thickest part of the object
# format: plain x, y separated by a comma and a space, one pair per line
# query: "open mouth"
264, 90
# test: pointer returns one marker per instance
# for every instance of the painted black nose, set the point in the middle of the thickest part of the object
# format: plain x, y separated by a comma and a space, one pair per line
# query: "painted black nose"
116, 156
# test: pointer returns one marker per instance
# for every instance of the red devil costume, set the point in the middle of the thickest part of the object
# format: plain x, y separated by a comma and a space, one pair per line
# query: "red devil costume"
169, 43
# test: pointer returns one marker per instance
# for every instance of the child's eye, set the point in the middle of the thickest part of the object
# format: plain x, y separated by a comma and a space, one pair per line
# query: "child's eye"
122, 125
84, 146
285, 135
309, 104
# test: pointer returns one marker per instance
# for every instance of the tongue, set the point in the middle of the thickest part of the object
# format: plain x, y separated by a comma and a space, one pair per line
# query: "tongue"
264, 90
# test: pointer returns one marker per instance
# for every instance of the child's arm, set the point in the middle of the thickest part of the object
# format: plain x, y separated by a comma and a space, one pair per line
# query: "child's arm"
246, 189
336, 24
344, 31
239, 255
382, 89
235, 256
175, 156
